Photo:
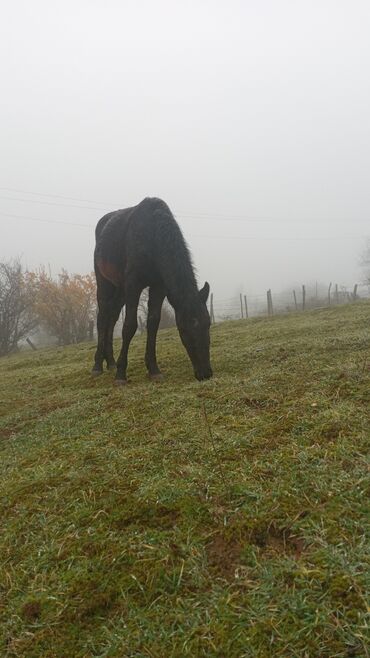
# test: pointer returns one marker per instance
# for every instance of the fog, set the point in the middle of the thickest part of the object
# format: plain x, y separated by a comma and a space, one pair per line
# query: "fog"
250, 119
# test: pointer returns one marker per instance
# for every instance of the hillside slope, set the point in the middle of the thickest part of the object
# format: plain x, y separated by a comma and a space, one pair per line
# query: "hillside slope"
225, 518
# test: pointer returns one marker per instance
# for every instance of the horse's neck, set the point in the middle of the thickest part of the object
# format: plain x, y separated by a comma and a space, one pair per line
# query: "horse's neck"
177, 274
181, 290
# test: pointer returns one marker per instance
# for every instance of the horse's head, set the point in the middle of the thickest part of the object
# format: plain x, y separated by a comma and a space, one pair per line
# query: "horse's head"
193, 323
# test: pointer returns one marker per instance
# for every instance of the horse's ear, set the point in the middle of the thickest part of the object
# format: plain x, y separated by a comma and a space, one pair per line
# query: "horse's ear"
204, 292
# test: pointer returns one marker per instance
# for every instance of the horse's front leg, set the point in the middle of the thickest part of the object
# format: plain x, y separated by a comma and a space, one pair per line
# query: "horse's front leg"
156, 297
128, 332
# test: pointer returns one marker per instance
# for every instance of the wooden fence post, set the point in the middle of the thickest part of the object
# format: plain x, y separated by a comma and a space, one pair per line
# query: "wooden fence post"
241, 305
295, 301
246, 306
211, 310
329, 300
354, 294
269, 303
336, 294
303, 298
29, 341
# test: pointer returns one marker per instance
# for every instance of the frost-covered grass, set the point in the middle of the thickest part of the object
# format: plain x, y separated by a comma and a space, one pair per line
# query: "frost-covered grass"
125, 531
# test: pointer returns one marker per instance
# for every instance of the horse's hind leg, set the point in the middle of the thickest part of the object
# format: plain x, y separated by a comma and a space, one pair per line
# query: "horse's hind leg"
106, 293
115, 309
102, 321
156, 297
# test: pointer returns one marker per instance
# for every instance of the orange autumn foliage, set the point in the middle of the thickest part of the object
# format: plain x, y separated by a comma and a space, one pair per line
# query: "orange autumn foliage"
65, 307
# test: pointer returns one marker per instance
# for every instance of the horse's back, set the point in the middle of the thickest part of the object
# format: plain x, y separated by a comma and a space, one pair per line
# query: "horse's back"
142, 218
125, 238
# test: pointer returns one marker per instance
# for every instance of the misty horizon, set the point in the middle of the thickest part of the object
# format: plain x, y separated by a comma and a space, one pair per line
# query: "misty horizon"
250, 121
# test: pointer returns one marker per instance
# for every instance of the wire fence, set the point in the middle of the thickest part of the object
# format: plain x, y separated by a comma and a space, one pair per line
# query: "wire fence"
243, 306
269, 303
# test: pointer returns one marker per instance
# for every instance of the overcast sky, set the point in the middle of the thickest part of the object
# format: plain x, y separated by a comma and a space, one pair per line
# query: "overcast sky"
251, 119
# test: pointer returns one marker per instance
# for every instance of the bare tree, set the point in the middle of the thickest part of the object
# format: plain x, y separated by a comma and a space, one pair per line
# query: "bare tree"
16, 316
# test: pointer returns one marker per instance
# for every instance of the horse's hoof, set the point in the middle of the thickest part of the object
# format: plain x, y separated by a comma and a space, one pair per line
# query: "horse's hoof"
120, 382
157, 377
96, 373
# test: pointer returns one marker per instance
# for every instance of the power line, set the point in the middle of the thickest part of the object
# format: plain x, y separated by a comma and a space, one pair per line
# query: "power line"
54, 196
192, 216
201, 237
265, 218
279, 239
45, 221
50, 203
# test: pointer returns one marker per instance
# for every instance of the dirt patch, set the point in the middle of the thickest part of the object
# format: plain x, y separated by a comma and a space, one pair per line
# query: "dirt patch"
7, 432
159, 517
88, 599
31, 611
225, 549
259, 403
91, 549
97, 604
331, 432
223, 554
276, 540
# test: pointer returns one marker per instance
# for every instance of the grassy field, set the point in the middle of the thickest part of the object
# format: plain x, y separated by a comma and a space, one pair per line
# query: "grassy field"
225, 518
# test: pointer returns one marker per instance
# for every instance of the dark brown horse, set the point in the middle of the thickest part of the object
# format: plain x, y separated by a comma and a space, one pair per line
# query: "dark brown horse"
139, 247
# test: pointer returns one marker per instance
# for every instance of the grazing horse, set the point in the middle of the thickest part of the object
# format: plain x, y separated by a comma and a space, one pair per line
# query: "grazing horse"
139, 247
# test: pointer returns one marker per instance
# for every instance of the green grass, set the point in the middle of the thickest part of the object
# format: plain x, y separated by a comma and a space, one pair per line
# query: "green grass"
120, 535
